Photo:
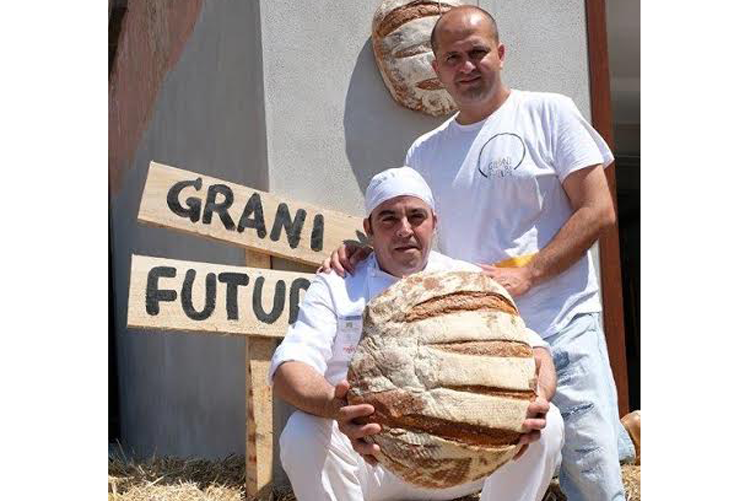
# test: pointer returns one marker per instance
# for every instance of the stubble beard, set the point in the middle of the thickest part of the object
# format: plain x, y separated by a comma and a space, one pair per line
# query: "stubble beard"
472, 95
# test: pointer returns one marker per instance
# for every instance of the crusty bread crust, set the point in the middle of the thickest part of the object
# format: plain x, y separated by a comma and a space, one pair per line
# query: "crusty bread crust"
401, 44
460, 301
447, 363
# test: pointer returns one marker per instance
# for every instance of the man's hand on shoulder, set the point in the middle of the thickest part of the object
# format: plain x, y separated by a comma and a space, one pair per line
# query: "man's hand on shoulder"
517, 281
347, 417
344, 259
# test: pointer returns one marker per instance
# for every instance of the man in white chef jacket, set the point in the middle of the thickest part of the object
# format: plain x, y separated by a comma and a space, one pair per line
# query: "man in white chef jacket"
322, 450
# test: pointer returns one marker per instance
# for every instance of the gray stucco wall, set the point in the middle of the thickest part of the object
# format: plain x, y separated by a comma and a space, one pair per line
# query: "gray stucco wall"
184, 394
283, 96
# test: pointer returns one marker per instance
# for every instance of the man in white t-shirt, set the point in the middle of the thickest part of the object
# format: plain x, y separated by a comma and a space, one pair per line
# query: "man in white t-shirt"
519, 183
322, 448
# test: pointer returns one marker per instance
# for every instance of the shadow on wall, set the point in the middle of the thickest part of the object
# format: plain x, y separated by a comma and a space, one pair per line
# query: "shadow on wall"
377, 130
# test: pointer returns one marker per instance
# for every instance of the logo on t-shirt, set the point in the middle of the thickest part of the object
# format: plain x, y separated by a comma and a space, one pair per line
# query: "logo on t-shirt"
501, 155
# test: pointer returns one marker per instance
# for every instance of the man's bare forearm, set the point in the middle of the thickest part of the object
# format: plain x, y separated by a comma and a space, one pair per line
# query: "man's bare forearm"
306, 389
547, 377
593, 211
569, 245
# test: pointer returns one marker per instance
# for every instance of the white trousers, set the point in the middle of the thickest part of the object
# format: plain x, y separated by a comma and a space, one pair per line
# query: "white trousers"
322, 465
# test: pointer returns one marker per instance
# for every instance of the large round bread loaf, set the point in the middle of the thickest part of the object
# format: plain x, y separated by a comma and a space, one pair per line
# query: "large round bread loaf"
401, 42
446, 361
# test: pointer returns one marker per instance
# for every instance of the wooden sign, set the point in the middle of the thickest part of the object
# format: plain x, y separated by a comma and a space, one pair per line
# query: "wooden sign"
258, 403
242, 216
190, 296
253, 301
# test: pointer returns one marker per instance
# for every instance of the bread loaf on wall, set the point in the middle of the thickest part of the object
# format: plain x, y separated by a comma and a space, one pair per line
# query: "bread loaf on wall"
446, 361
401, 41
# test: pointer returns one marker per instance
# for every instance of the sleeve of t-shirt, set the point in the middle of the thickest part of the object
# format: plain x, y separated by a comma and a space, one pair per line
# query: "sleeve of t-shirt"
310, 338
410, 160
574, 143
408, 157
538, 342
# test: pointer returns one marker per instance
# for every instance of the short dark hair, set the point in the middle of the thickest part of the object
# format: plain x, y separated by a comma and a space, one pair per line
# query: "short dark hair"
487, 15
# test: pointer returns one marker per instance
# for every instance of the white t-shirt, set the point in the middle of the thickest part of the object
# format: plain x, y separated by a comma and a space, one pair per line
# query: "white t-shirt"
497, 187
329, 324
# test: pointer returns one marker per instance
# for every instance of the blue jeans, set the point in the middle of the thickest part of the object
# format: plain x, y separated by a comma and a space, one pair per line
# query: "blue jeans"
586, 396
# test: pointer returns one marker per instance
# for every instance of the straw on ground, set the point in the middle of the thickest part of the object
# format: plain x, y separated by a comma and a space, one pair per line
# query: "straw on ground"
175, 479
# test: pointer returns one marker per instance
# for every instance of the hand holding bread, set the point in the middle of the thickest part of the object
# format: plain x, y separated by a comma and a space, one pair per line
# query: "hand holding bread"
349, 419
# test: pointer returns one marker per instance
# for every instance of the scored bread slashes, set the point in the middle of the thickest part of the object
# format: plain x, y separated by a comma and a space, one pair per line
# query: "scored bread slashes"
447, 363
401, 42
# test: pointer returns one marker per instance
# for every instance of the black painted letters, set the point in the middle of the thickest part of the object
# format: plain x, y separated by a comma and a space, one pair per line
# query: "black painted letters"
233, 280
293, 229
219, 208
153, 293
297, 285
253, 215
278, 301
193, 209
187, 296
254, 208
316, 239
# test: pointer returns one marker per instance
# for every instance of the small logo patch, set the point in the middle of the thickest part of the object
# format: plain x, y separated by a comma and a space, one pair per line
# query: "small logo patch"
501, 155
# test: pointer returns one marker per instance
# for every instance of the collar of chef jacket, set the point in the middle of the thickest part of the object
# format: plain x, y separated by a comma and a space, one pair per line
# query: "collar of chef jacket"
379, 280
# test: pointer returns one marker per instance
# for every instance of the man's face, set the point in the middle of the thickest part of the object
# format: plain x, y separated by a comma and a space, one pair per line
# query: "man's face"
401, 231
468, 59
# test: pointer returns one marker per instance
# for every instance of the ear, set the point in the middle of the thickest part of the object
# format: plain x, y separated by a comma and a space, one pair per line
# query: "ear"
434, 64
367, 227
434, 221
501, 53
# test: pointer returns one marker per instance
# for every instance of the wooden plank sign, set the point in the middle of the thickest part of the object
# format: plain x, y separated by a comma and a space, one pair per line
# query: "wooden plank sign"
258, 403
255, 302
242, 216
189, 296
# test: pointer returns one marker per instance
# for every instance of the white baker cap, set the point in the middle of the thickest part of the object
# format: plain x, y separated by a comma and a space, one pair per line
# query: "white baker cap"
396, 182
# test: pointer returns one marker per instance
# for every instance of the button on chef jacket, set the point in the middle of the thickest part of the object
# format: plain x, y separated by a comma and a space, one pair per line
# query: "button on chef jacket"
329, 324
